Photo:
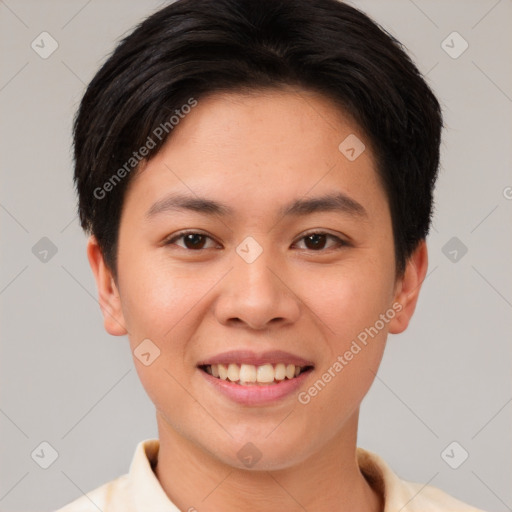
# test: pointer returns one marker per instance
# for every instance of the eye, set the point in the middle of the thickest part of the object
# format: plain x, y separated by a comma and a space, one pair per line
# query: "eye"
196, 241
316, 241
192, 240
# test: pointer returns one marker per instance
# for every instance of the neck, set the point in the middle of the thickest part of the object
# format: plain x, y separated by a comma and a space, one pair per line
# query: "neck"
329, 480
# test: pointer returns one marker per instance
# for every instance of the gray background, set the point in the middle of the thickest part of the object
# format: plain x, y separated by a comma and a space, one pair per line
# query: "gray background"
65, 381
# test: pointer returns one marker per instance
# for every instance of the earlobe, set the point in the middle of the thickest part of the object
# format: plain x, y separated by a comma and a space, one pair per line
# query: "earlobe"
109, 298
408, 288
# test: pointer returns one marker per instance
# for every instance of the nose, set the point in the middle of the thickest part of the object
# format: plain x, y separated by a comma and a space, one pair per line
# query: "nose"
257, 295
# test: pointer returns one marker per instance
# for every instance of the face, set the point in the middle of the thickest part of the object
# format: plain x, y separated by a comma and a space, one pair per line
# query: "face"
251, 244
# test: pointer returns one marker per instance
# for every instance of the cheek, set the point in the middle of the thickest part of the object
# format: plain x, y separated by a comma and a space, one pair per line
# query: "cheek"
354, 345
347, 298
160, 304
158, 297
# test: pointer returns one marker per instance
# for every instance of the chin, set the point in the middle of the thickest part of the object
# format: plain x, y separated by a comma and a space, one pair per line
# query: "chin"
256, 453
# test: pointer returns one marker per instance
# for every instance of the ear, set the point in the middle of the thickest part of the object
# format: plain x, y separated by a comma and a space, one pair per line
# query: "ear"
408, 288
109, 298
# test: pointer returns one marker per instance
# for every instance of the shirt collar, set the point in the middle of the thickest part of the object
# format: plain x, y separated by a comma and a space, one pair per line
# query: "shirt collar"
145, 488
146, 491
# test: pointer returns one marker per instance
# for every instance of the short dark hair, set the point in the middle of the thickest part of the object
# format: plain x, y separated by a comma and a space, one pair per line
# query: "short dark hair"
193, 48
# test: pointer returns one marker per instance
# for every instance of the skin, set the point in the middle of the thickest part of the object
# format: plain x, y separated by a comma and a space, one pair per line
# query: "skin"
256, 153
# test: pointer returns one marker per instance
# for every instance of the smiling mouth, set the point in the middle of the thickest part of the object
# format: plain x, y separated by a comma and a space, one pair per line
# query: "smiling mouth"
249, 375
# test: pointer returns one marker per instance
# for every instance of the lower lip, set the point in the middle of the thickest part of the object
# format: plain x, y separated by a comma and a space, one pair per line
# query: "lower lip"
256, 394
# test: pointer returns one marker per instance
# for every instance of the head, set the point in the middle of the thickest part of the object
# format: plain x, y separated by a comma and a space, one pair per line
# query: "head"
298, 146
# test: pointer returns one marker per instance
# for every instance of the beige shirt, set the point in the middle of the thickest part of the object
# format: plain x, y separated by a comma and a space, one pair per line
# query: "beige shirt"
139, 490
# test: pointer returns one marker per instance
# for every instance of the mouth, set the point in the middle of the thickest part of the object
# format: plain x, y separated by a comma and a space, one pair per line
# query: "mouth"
255, 375
256, 379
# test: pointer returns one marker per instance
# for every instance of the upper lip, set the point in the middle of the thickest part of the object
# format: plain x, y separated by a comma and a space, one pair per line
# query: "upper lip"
256, 359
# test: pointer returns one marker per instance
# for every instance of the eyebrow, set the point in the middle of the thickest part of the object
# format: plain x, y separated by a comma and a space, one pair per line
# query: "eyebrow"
338, 202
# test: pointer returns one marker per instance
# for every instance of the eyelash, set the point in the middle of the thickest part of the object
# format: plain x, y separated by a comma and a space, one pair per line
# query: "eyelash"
341, 243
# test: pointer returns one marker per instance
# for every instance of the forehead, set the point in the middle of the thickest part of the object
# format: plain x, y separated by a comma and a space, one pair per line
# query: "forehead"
261, 148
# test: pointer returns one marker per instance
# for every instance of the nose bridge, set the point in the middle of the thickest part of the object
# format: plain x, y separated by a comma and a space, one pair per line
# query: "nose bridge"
253, 282
253, 293
255, 276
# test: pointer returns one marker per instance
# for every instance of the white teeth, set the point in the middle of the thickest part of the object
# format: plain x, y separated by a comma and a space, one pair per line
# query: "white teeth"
246, 374
223, 371
265, 373
280, 371
233, 372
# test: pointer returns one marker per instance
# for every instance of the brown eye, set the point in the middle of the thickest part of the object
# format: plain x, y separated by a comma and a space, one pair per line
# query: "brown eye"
318, 241
315, 241
192, 241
